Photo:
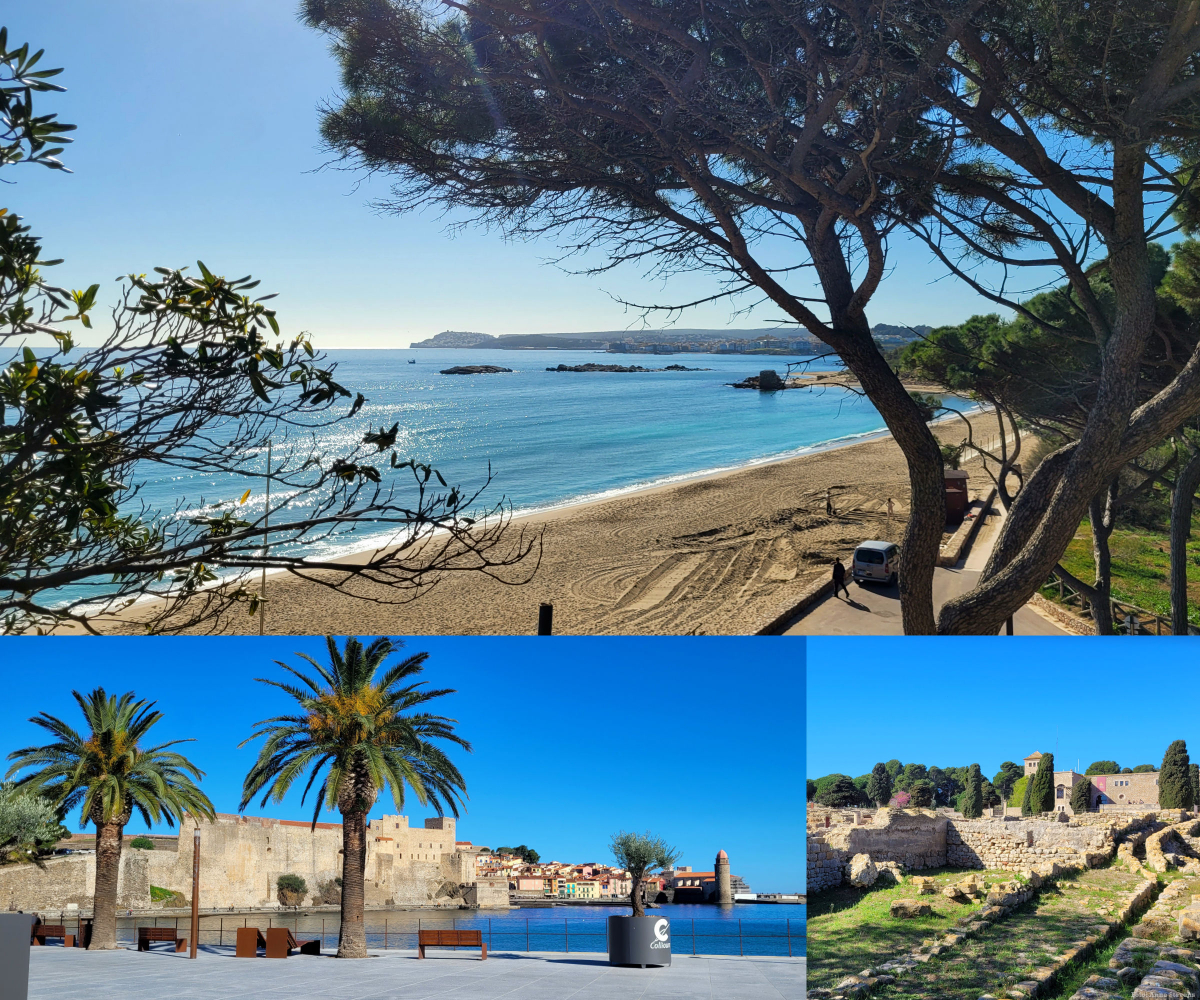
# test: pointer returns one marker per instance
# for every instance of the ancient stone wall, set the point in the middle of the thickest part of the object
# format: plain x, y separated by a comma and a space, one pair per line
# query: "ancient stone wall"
918, 839
68, 880
242, 857
1015, 845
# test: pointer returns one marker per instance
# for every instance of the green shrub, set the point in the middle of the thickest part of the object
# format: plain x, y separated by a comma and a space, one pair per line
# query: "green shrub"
159, 894
142, 843
1195, 772
1017, 795
291, 883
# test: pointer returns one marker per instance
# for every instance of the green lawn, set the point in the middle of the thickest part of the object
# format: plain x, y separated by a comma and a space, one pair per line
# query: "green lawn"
851, 929
848, 934
1141, 563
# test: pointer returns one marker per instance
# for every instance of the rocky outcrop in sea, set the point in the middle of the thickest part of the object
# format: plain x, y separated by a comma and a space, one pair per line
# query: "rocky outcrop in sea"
475, 370
593, 367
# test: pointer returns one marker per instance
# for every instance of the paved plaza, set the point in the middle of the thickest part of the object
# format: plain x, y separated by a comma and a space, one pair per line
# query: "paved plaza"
71, 974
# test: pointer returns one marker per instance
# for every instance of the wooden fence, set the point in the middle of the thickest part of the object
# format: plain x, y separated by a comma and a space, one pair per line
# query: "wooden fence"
1128, 618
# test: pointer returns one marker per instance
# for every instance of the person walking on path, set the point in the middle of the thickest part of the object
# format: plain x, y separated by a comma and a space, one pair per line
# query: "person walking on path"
839, 578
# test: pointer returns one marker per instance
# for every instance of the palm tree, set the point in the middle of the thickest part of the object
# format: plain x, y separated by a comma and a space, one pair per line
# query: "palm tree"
357, 733
109, 775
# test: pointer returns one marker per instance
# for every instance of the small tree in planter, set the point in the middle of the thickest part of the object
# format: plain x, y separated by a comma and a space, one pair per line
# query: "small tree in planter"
292, 889
638, 939
643, 857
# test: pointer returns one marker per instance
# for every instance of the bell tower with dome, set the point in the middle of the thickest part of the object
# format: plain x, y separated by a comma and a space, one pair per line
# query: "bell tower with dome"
724, 888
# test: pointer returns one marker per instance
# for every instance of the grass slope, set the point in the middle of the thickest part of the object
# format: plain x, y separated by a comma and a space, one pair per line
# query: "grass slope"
847, 938
1141, 566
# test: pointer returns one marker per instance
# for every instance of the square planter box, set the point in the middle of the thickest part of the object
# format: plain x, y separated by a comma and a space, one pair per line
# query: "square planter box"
639, 941
14, 955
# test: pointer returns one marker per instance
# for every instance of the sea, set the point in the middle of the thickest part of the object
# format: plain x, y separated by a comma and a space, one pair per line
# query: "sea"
550, 438
765, 929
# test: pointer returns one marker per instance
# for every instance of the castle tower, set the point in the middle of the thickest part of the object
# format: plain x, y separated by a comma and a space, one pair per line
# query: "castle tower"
724, 889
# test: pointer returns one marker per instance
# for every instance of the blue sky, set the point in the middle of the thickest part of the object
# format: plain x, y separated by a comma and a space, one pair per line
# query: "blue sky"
198, 139
957, 701
573, 738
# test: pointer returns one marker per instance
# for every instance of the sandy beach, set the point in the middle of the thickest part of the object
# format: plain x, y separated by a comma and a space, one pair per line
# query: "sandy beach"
723, 555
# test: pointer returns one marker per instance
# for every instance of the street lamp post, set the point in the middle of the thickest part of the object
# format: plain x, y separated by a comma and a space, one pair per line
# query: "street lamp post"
195, 888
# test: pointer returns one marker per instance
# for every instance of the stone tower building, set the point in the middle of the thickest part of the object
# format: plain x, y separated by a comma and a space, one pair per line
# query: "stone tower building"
724, 889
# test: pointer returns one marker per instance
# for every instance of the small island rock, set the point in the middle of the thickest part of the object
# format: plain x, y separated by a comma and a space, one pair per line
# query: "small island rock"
475, 370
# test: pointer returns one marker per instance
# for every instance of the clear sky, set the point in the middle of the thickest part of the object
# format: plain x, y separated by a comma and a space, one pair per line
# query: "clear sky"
198, 139
957, 701
696, 739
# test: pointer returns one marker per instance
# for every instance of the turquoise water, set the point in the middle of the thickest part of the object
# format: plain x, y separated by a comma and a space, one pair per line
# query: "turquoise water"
554, 438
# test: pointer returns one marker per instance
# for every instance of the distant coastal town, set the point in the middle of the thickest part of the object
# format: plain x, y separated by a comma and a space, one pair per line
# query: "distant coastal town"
770, 341
530, 878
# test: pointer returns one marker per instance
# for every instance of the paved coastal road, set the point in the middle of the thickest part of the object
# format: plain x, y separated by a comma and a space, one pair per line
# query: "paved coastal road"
875, 610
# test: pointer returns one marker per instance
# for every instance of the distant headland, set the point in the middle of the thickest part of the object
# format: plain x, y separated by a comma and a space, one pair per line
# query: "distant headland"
771, 340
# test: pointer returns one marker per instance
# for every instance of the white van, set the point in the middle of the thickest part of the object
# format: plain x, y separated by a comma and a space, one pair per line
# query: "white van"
878, 562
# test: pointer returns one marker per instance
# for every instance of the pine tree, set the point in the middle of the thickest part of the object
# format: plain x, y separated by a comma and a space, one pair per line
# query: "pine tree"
970, 803
1026, 807
879, 787
1041, 788
1081, 796
1174, 779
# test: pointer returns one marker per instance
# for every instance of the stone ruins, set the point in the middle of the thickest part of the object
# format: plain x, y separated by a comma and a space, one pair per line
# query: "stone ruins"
842, 843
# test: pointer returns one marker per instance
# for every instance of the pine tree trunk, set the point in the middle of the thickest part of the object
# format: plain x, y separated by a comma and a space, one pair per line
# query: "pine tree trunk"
1102, 516
108, 870
635, 897
352, 941
1186, 483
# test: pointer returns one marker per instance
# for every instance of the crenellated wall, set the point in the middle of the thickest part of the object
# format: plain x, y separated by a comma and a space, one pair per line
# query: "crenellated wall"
242, 857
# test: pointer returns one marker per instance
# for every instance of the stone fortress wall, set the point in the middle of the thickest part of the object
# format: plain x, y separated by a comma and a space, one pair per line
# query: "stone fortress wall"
241, 857
923, 838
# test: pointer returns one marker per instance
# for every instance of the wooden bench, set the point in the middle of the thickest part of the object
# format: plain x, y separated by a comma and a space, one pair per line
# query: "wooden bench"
40, 932
450, 939
249, 940
280, 944
146, 935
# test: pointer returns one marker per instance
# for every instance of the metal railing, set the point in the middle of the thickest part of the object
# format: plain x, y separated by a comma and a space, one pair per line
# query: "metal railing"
782, 937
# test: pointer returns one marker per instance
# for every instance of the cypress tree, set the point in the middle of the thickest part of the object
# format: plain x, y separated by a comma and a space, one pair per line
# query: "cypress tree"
1041, 788
1026, 808
879, 786
970, 803
1174, 779
1081, 796
1196, 784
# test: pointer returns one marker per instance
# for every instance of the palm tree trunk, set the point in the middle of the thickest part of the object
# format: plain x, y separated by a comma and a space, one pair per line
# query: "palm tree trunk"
352, 941
635, 897
108, 870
